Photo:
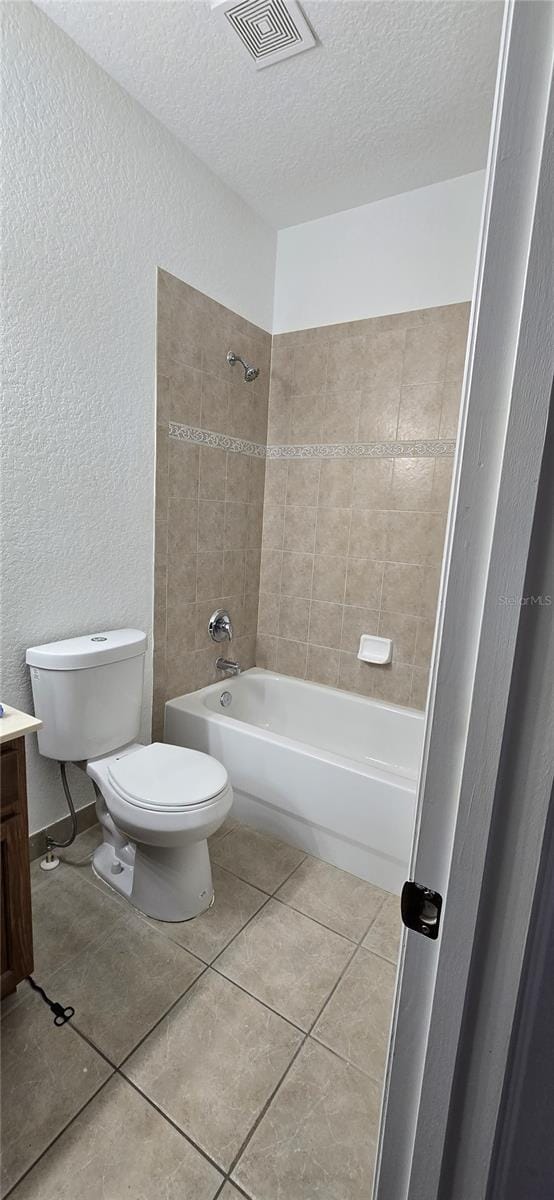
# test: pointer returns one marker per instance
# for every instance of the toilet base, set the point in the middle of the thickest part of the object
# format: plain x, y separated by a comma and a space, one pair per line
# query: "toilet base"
109, 867
165, 883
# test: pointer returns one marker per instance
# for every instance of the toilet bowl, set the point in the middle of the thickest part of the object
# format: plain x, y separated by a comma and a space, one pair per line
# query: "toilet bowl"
157, 806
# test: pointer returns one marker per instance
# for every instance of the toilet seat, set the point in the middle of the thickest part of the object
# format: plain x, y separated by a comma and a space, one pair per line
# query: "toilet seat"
168, 779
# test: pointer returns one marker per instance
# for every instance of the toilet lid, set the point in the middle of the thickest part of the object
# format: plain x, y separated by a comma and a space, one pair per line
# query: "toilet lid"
167, 778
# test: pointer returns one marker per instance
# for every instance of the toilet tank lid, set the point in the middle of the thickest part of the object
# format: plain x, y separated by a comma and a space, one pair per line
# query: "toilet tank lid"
91, 650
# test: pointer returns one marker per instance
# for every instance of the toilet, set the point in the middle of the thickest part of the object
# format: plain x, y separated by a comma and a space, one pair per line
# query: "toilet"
157, 804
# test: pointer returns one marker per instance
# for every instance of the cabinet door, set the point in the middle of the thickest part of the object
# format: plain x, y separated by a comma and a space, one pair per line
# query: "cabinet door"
16, 927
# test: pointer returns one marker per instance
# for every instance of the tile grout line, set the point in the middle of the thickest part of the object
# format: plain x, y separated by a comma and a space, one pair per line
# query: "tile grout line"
344, 590
194, 953
136, 1047
347, 937
87, 1040
318, 510
128, 909
311, 1033
307, 1036
206, 968
311, 598
263, 1003
377, 954
347, 1061
275, 896
304, 1038
102, 1053
373, 919
322, 925
226, 1173
238, 1188
304, 854
332, 992
58, 1136
270, 896
402, 357
174, 1125
265, 1108
117, 1072
95, 943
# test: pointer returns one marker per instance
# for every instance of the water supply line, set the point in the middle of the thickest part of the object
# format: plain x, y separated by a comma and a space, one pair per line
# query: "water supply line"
51, 860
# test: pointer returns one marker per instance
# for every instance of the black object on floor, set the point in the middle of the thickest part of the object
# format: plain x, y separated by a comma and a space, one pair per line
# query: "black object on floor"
61, 1014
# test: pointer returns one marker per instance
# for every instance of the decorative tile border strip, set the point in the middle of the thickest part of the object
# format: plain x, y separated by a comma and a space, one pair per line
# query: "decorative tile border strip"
221, 441
217, 441
428, 449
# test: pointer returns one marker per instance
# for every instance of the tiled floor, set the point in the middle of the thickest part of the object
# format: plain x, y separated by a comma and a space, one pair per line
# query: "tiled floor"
239, 1054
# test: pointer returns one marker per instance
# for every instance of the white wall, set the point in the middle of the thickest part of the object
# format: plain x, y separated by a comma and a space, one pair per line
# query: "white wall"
414, 250
97, 194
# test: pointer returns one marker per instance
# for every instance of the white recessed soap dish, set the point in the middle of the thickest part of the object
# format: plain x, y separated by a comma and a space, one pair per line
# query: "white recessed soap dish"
375, 649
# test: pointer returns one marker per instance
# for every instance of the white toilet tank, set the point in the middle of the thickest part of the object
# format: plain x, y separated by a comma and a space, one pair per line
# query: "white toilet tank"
87, 691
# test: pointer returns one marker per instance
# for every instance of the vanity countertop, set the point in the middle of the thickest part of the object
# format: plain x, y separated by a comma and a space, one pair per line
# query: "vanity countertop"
15, 724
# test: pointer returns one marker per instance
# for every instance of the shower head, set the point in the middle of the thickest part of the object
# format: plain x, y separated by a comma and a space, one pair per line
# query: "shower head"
250, 372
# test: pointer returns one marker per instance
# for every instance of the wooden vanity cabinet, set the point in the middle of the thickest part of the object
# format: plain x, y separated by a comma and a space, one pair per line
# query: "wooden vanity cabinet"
15, 878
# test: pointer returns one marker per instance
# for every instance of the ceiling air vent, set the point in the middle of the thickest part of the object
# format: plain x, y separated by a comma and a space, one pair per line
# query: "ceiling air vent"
269, 29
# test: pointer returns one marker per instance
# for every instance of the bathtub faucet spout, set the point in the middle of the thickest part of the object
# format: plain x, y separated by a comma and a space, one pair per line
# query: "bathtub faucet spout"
227, 664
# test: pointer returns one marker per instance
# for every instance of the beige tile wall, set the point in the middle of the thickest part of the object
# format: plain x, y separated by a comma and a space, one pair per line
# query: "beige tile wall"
351, 544
354, 545
208, 501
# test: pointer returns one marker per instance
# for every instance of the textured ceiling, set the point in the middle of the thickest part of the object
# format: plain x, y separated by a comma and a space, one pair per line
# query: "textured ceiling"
397, 94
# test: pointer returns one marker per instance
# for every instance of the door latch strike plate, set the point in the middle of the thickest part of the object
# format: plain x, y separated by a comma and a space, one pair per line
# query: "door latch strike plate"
421, 908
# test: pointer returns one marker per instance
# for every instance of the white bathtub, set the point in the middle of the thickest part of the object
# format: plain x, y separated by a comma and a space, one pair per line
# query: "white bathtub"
329, 771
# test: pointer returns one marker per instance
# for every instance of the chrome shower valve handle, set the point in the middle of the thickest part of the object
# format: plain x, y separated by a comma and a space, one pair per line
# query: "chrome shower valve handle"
220, 627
